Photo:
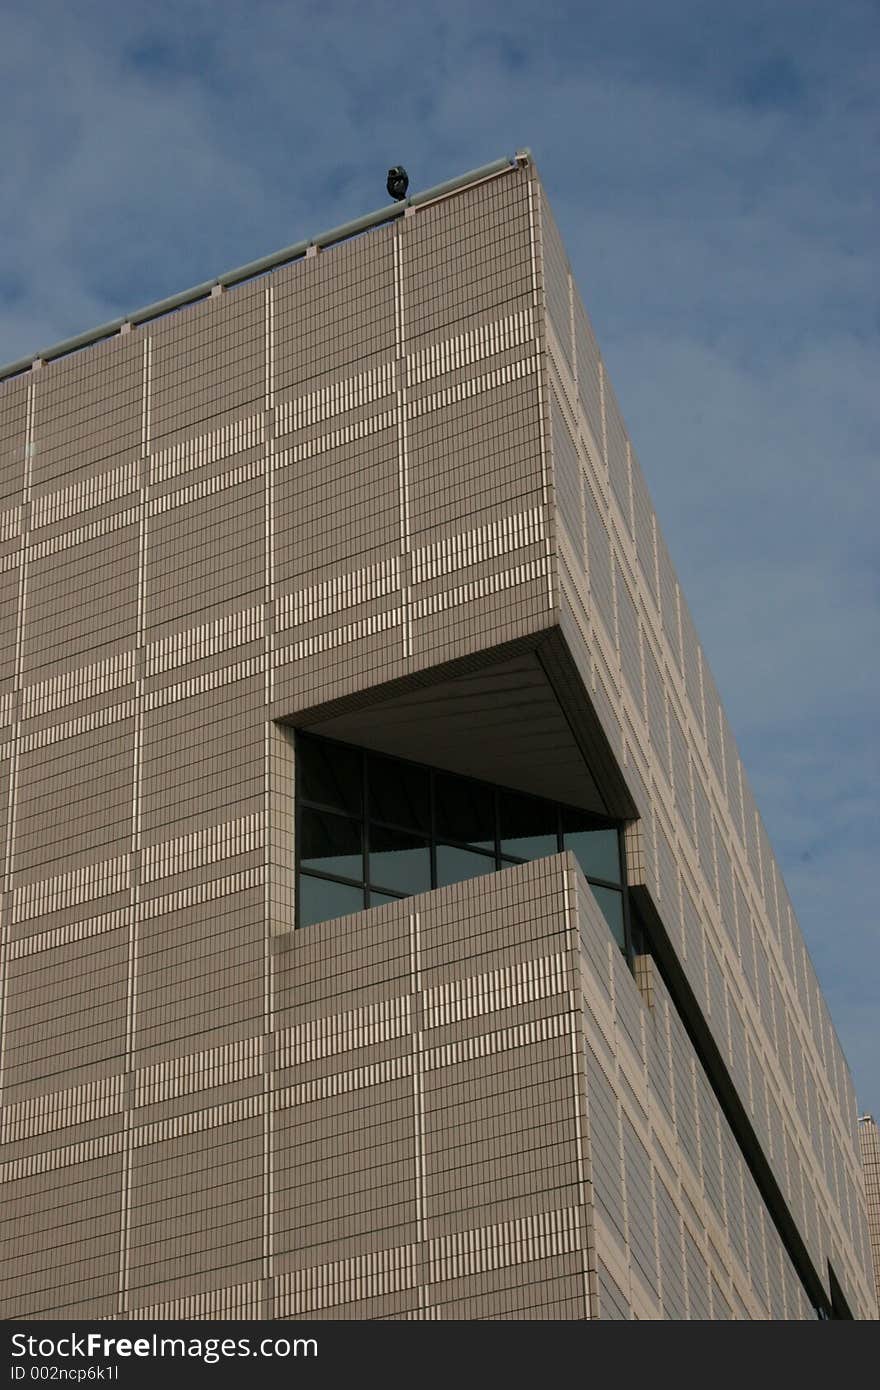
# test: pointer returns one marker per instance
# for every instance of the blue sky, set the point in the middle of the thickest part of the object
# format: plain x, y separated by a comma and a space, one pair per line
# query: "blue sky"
714, 172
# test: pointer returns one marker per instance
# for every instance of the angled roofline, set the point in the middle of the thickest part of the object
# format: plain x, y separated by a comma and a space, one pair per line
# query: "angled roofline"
259, 267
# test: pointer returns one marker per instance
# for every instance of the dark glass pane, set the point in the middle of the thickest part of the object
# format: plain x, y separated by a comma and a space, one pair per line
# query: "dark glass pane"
330, 844
527, 826
377, 899
399, 860
456, 865
611, 903
320, 900
464, 810
329, 774
399, 792
597, 851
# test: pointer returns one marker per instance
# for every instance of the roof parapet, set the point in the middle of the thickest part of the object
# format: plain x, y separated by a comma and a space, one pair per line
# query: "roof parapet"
296, 252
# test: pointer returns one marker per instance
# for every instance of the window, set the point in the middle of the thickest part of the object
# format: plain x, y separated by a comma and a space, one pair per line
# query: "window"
371, 829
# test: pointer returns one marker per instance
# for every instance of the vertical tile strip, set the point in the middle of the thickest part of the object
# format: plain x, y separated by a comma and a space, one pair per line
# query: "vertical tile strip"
418, 1091
135, 842
6, 900
402, 463
268, 732
574, 1004
539, 388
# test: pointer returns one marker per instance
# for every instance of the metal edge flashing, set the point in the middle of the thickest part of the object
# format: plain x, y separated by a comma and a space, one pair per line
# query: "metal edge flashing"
288, 254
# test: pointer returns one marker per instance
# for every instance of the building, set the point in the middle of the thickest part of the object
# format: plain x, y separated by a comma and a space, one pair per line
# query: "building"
869, 1140
332, 591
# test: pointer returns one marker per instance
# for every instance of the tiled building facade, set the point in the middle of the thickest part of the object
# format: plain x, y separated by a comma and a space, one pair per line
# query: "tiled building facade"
384, 493
869, 1140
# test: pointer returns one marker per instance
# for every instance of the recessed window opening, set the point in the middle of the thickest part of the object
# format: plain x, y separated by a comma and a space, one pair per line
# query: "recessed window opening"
371, 828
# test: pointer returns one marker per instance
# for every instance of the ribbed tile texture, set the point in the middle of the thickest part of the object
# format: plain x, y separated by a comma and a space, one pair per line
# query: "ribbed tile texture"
711, 875
869, 1141
389, 457
322, 480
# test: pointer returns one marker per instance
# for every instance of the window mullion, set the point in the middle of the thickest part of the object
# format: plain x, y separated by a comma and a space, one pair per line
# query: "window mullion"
365, 824
432, 824
550, 828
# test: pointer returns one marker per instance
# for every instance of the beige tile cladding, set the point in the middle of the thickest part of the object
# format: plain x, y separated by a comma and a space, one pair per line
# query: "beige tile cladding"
471, 1110
680, 1228
869, 1143
317, 480
700, 849
428, 1153
336, 476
